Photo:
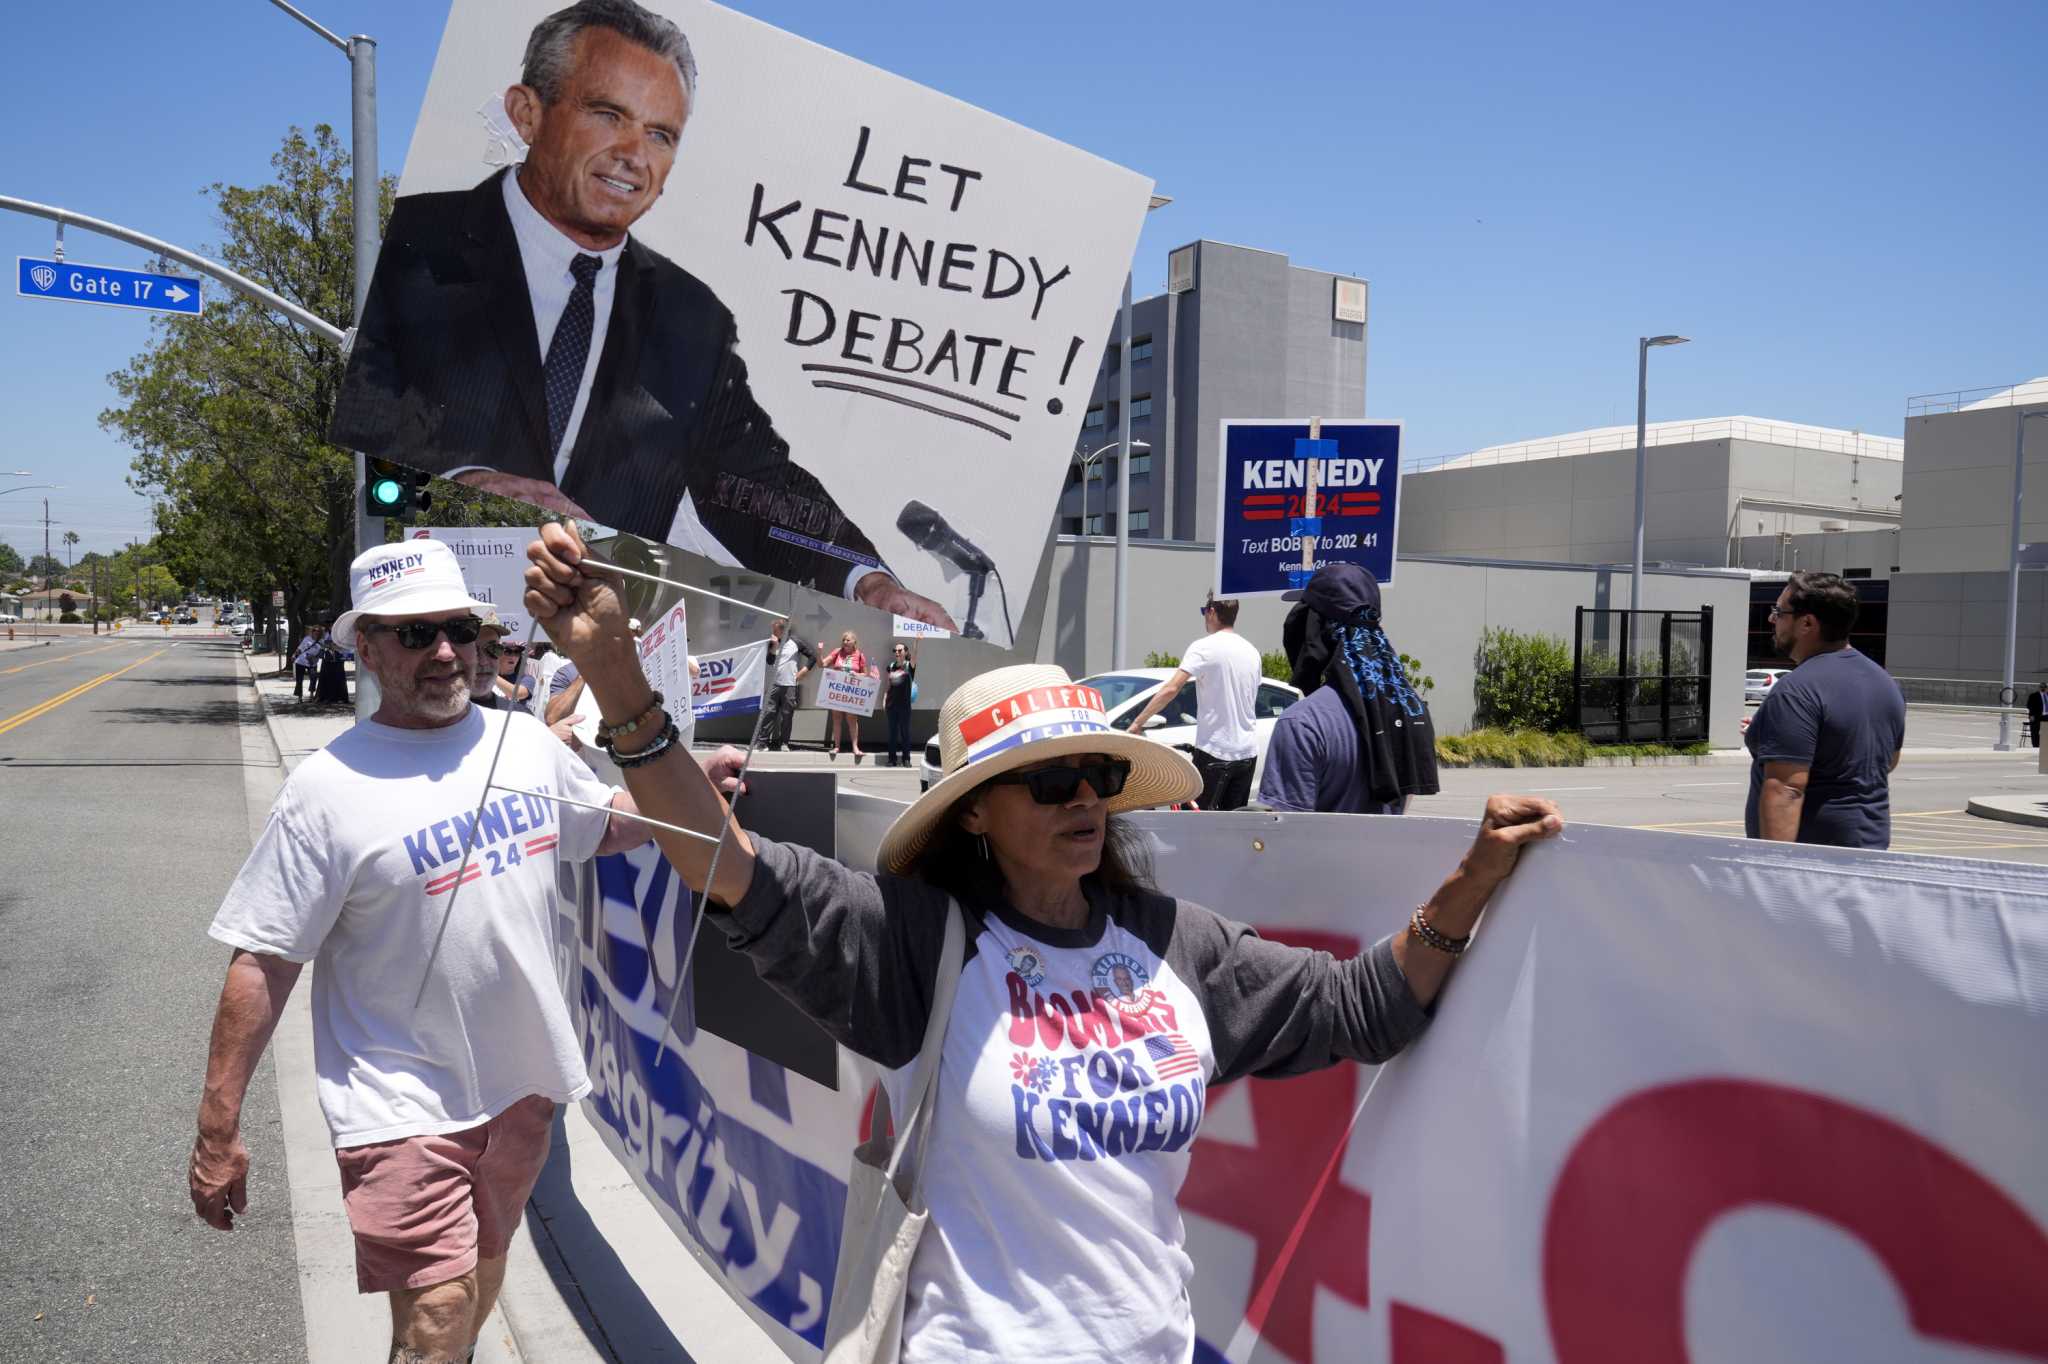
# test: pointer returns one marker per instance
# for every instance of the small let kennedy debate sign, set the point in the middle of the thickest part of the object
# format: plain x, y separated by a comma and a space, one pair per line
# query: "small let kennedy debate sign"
1262, 501
854, 693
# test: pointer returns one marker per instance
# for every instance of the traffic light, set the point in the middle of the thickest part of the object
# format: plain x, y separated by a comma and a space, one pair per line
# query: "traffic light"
393, 490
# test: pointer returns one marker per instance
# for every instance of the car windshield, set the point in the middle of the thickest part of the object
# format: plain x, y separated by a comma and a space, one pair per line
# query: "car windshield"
1117, 688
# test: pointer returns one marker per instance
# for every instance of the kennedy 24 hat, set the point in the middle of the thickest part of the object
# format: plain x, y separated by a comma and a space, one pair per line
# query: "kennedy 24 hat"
410, 578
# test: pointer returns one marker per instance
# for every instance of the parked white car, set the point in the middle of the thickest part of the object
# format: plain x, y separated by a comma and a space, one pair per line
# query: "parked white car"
1757, 682
1125, 693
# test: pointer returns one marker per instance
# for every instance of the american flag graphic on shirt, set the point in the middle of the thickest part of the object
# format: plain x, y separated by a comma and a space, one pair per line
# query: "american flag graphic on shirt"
1172, 1055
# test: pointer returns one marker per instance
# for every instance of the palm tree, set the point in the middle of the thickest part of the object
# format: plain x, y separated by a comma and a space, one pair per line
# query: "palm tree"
70, 541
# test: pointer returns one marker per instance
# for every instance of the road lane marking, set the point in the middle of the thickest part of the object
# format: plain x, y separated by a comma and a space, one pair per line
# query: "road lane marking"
66, 658
21, 718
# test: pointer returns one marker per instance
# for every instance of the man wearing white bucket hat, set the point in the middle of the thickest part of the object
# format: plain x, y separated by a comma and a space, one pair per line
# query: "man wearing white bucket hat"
1092, 1013
441, 1111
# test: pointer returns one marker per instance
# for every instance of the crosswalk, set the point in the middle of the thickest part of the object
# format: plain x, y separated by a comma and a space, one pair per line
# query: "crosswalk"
1922, 831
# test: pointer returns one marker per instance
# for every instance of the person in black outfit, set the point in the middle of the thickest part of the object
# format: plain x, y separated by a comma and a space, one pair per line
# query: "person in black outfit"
330, 684
2035, 703
516, 337
901, 675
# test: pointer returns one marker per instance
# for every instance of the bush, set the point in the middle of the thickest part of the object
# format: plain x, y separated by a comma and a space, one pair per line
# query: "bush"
71, 618
1523, 682
1533, 748
1155, 659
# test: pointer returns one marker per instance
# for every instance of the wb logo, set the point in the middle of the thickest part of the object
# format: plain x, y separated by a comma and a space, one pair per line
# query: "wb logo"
43, 277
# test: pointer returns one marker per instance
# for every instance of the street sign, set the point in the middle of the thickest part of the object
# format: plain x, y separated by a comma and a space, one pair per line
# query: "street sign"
71, 282
1262, 501
276, 597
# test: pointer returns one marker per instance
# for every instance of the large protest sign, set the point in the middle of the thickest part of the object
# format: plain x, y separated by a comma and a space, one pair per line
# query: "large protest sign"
847, 341
843, 690
493, 565
1262, 502
729, 682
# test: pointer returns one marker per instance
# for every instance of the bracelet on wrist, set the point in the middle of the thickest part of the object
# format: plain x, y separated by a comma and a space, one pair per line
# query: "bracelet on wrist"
1442, 942
607, 731
669, 737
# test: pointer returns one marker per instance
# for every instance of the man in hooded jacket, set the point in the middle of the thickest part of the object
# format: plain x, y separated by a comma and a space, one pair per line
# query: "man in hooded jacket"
1361, 741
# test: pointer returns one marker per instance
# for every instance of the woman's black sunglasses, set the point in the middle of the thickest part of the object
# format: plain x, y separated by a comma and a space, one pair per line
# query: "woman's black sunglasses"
1057, 785
418, 634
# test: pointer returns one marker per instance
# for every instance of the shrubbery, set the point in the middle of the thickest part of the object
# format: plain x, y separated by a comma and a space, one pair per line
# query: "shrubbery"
1522, 682
1533, 748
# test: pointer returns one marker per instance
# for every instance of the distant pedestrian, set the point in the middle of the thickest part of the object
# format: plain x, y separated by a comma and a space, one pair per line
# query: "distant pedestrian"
1828, 734
1224, 667
306, 659
330, 683
2036, 703
789, 660
901, 680
1361, 740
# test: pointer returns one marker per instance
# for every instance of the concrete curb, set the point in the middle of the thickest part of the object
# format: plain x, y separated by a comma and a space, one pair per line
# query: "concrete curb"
338, 1319
2029, 810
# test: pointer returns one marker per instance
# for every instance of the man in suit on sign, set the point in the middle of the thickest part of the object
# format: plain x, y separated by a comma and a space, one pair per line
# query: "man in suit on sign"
518, 338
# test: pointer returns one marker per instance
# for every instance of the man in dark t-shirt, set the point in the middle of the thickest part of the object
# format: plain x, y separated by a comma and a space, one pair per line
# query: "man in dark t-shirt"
1829, 733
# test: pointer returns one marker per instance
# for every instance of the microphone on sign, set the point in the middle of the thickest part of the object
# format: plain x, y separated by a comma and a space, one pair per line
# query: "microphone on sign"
929, 532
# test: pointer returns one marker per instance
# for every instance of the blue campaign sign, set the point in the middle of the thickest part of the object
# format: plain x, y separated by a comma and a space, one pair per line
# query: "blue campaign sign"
75, 283
1262, 497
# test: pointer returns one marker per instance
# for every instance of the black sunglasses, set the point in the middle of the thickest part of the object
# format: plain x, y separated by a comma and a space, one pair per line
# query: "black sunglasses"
1057, 785
419, 634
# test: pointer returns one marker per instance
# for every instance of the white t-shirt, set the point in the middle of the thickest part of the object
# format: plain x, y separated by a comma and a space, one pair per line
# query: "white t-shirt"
1225, 667
1087, 1069
352, 873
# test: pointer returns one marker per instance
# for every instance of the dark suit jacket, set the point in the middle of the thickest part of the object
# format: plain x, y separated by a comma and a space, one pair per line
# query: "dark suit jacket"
446, 373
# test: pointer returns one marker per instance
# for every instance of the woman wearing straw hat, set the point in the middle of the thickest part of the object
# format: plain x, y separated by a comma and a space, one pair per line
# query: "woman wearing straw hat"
1091, 1013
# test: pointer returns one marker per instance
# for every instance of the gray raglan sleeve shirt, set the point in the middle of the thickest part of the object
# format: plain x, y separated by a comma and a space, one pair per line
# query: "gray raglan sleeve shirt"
857, 953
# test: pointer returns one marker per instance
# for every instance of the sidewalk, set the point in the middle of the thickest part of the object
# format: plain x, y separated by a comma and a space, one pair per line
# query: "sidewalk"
599, 1277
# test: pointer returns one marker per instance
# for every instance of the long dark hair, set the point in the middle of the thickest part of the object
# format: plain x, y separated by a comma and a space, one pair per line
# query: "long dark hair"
953, 860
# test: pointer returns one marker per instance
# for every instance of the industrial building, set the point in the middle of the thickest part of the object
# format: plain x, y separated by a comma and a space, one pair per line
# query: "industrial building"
1722, 492
1238, 332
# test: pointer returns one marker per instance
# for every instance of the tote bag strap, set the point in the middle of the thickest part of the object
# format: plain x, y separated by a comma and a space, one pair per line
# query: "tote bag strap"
918, 1103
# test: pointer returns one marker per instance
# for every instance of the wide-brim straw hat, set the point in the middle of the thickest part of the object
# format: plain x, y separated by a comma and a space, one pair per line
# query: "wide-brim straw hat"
1018, 717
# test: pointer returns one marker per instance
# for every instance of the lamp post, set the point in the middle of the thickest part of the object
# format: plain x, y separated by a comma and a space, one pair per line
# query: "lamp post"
1643, 344
2007, 695
1088, 462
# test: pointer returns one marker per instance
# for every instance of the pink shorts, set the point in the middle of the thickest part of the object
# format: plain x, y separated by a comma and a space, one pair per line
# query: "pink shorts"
425, 1208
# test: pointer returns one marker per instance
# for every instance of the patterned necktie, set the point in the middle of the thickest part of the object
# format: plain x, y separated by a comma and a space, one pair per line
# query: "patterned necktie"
562, 375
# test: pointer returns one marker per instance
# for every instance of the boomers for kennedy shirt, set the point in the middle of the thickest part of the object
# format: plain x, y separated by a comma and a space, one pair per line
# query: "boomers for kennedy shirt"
352, 873
1076, 1070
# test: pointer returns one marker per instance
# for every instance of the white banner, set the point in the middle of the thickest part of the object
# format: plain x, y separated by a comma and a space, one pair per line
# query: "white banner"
906, 628
866, 316
851, 692
494, 564
729, 683
1686, 1099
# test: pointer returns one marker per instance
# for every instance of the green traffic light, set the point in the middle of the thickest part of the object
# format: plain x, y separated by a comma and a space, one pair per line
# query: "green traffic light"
386, 492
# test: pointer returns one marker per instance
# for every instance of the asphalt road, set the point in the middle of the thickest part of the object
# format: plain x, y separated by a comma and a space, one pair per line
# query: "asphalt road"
122, 783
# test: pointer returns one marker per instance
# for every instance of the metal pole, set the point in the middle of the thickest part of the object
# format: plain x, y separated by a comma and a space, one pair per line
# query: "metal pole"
2007, 695
1635, 582
1121, 610
362, 60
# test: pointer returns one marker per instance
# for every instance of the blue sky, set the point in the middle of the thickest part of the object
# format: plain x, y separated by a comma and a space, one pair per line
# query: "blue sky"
1843, 204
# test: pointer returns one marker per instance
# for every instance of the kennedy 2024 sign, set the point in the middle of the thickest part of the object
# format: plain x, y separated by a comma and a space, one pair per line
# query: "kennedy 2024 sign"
1262, 501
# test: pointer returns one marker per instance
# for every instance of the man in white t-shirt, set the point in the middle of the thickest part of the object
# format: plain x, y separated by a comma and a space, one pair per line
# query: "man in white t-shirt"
440, 1113
1224, 667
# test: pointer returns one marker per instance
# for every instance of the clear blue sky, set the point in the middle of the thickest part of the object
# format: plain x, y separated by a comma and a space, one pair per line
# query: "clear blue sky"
1843, 204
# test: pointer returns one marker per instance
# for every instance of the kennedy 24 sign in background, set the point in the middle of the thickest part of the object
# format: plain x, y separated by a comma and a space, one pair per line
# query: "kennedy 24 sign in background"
1262, 498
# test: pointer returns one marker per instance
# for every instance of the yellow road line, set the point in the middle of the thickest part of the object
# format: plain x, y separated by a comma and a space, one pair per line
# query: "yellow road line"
23, 717
65, 658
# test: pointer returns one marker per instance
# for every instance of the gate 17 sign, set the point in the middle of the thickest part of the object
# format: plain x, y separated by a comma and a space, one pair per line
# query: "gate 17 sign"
1262, 501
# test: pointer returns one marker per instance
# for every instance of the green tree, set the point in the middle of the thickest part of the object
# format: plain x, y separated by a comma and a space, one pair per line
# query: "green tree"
46, 566
11, 563
70, 545
228, 411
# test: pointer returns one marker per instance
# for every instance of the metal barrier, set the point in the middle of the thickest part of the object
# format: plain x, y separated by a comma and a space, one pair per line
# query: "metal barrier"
1642, 676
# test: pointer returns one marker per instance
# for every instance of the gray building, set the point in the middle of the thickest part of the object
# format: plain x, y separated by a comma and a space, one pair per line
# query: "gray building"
1715, 488
1239, 332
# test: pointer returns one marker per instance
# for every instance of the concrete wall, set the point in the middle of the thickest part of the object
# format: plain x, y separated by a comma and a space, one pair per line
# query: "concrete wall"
1581, 508
1953, 624
1435, 612
1958, 489
1823, 551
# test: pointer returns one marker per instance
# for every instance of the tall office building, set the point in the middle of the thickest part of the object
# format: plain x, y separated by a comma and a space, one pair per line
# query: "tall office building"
1239, 333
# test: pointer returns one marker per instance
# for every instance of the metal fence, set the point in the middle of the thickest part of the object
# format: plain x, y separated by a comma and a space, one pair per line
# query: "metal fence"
1642, 676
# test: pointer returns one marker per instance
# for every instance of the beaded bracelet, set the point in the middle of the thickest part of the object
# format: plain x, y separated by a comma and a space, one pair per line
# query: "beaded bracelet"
605, 731
663, 742
1442, 942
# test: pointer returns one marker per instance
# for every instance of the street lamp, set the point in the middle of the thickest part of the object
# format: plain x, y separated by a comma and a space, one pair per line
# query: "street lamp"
24, 487
1643, 344
2007, 695
1089, 461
